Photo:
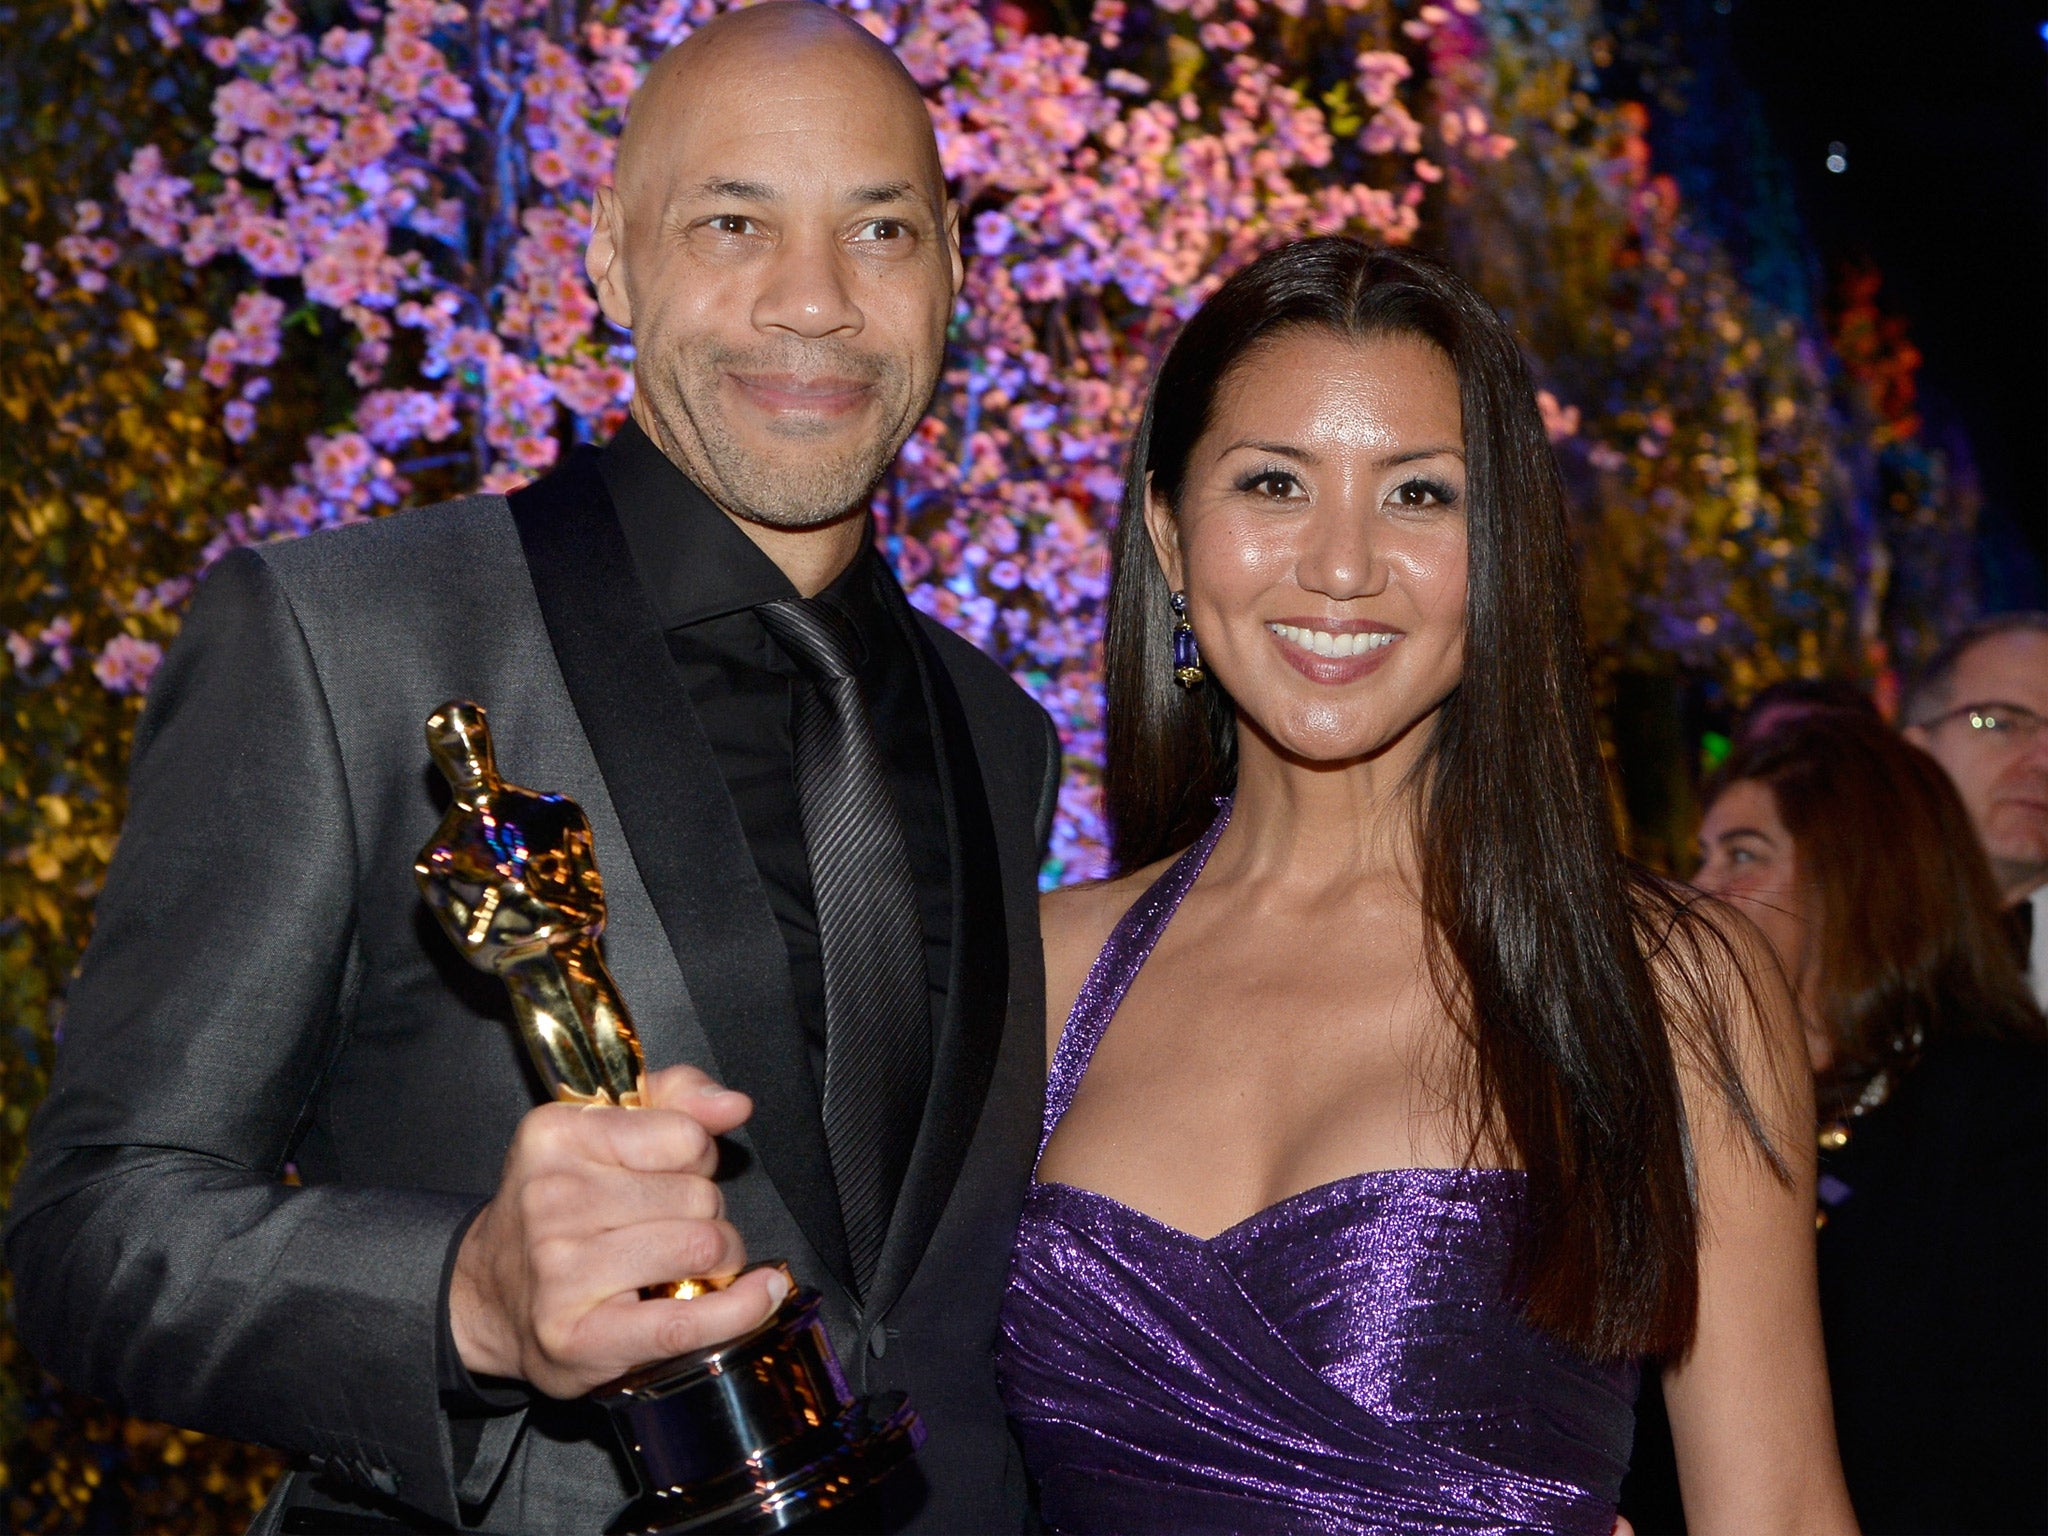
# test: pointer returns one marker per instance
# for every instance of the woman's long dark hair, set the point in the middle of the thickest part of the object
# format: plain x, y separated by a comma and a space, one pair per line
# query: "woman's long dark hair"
1911, 943
1537, 923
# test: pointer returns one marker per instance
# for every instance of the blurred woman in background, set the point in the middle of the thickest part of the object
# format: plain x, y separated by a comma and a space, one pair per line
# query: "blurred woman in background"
1852, 852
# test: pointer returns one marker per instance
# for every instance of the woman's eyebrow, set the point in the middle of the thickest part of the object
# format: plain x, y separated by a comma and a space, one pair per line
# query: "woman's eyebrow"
1284, 450
1309, 456
1413, 454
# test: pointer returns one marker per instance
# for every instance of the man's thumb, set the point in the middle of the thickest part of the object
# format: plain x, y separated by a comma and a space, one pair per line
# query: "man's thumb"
694, 1093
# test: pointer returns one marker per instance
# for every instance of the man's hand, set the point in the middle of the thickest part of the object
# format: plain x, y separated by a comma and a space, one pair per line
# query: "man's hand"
595, 1203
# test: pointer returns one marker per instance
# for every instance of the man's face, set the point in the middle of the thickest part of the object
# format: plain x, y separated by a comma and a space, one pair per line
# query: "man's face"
2002, 773
785, 256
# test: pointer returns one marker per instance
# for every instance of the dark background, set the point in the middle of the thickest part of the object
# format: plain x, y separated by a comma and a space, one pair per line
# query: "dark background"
1942, 109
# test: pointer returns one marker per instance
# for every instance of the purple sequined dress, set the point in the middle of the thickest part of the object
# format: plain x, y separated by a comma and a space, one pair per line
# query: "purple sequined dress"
1344, 1360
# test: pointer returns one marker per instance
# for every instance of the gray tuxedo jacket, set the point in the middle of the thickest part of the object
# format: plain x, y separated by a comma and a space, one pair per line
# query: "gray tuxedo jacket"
266, 988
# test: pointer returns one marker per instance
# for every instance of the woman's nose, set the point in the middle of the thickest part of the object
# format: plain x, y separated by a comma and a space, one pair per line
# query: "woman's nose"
1340, 558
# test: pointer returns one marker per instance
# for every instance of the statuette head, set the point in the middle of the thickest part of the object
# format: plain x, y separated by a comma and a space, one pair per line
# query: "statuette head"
460, 742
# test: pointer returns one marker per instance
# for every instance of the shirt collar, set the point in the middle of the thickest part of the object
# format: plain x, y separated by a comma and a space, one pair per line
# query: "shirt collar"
694, 561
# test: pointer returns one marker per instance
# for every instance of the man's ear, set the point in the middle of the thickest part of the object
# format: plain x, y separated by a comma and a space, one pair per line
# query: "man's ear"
604, 259
959, 263
1164, 528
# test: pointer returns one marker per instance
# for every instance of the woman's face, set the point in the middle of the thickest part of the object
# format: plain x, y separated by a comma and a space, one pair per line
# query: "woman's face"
1750, 861
1321, 540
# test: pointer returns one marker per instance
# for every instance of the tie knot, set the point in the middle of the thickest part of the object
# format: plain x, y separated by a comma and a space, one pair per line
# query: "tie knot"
817, 633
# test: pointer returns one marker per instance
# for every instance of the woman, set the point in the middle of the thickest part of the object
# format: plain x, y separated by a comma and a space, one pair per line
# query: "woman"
1367, 1174
1855, 856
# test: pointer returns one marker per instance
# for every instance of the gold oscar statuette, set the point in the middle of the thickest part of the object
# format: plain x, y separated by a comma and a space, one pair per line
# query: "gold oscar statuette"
756, 1434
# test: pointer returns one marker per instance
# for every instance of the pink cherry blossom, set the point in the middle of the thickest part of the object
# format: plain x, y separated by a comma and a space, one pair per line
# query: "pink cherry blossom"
418, 181
126, 664
1559, 421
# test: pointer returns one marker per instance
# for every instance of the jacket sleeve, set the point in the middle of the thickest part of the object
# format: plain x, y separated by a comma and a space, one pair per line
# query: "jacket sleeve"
160, 1262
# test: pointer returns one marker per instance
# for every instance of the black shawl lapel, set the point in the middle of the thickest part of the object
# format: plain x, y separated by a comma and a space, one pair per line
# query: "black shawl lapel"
684, 834
978, 991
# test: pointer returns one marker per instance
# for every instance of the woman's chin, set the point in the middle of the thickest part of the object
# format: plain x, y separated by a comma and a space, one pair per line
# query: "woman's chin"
1314, 745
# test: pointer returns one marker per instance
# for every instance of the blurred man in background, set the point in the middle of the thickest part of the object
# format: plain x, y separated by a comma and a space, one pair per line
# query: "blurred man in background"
1979, 708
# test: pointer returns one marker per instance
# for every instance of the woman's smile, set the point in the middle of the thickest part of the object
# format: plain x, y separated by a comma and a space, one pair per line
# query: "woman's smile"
1333, 651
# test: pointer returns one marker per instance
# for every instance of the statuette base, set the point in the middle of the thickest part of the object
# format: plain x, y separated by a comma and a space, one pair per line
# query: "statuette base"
754, 1435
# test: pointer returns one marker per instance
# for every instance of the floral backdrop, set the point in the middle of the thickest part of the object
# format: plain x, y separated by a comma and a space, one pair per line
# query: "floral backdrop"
266, 268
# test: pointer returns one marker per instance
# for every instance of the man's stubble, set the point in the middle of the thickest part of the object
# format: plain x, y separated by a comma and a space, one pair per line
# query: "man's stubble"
806, 482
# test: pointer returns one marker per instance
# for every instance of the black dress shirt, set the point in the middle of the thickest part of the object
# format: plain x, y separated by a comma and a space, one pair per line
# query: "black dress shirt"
703, 577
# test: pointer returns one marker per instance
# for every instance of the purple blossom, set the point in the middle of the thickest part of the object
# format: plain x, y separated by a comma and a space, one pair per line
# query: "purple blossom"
127, 664
1105, 215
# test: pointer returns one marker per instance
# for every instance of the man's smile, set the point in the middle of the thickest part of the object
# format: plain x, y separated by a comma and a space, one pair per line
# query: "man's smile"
813, 395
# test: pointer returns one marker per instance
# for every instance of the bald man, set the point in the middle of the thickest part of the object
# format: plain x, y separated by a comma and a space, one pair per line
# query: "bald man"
819, 817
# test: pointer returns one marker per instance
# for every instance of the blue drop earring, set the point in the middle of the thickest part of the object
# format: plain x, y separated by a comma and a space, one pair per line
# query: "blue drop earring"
1187, 656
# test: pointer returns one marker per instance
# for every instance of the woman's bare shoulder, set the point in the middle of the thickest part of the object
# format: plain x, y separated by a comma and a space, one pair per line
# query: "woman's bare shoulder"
1074, 922
1737, 1038
1694, 942
1078, 918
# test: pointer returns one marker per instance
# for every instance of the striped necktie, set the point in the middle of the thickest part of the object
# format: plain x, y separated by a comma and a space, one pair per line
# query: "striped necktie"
877, 1024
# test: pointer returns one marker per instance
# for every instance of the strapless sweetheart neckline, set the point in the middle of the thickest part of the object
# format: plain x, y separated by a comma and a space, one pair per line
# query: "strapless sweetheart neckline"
1301, 1198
